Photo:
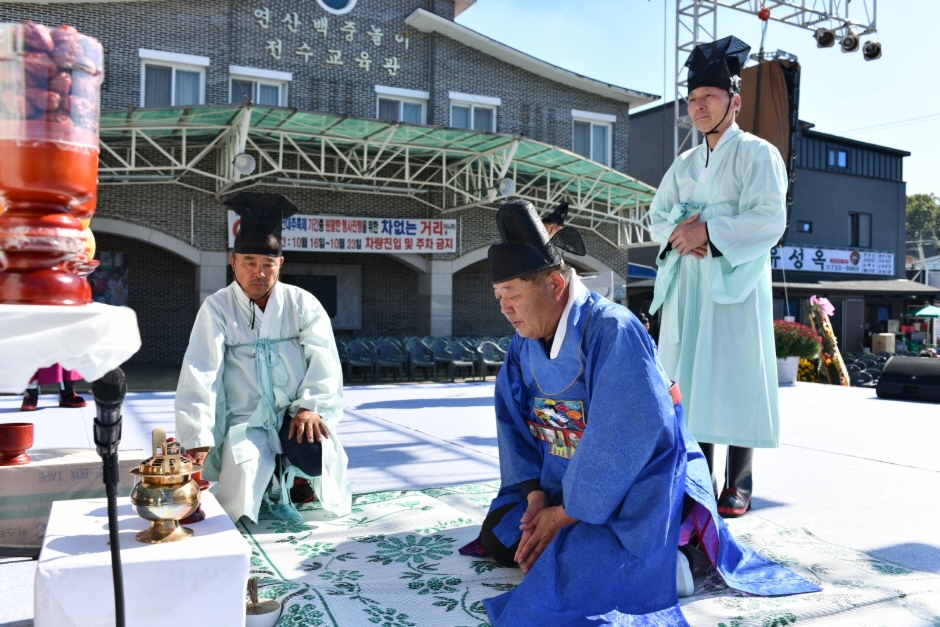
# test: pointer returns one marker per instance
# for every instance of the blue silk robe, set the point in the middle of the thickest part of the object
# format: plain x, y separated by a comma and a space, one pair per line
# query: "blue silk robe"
595, 423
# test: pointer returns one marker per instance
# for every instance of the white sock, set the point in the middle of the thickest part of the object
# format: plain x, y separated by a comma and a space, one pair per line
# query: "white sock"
684, 584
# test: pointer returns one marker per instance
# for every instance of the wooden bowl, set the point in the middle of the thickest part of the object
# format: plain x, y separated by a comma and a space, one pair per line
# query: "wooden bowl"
15, 438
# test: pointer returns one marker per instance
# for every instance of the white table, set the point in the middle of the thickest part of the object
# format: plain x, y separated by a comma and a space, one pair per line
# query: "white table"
199, 581
92, 339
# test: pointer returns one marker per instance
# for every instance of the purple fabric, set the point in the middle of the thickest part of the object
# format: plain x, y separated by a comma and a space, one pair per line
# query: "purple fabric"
55, 374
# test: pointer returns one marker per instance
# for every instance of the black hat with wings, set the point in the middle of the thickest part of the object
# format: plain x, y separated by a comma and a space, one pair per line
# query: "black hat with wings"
526, 247
261, 217
718, 64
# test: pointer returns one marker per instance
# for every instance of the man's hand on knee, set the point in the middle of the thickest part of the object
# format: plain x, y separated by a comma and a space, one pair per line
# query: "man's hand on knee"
544, 526
307, 424
538, 501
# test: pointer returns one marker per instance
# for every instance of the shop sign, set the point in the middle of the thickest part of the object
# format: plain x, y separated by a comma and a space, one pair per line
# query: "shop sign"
811, 259
338, 234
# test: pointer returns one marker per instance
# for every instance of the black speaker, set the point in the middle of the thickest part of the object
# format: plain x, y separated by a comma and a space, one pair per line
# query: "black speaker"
910, 379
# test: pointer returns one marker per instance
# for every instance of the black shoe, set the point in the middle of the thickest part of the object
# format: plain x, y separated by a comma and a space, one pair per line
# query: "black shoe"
30, 400
302, 492
733, 504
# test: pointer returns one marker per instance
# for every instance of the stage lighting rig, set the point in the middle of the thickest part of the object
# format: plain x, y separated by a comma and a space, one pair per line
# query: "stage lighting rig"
849, 41
871, 50
825, 38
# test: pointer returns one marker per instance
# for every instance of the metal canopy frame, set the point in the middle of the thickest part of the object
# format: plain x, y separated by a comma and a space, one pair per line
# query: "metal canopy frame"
444, 168
697, 22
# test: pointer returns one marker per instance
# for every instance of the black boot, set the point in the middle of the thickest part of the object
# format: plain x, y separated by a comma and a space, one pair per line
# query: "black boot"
30, 399
735, 499
708, 450
68, 397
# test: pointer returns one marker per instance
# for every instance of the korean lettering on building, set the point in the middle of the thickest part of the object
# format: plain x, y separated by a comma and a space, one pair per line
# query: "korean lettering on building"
331, 40
362, 235
810, 259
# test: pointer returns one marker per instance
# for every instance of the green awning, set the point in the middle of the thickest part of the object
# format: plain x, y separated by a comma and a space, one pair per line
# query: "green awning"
388, 156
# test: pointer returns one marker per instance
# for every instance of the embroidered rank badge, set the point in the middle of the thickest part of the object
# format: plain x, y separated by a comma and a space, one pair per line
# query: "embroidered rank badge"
560, 423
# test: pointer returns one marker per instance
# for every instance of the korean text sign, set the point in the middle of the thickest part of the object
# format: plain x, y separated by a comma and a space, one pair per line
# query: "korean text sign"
811, 259
361, 235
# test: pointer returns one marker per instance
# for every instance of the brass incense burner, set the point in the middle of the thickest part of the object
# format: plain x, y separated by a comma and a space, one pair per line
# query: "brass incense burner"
166, 492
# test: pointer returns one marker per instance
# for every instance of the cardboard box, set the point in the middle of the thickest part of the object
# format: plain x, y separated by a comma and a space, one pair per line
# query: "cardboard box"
27, 491
881, 342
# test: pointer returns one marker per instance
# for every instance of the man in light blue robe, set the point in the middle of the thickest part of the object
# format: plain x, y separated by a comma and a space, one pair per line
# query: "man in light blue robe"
720, 208
595, 461
261, 381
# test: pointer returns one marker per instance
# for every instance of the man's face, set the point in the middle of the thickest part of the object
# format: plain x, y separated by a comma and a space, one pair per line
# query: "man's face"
256, 274
707, 106
532, 307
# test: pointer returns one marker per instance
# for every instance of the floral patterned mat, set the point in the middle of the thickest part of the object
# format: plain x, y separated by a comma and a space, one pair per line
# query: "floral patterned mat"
393, 562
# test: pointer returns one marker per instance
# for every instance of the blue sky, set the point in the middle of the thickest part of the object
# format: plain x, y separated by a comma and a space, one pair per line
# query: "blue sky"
894, 101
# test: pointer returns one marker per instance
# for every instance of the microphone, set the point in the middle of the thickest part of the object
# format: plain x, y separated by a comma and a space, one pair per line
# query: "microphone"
109, 392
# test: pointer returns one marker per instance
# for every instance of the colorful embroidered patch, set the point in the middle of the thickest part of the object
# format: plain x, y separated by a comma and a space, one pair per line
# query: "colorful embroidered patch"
559, 423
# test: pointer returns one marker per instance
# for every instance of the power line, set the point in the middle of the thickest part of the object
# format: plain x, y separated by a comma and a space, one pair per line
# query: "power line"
855, 93
887, 125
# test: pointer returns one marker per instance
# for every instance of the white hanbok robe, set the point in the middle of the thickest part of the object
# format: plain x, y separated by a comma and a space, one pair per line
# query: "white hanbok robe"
237, 382
716, 337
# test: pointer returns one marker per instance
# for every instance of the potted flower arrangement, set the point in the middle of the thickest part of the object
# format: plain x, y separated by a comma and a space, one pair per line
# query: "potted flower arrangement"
793, 341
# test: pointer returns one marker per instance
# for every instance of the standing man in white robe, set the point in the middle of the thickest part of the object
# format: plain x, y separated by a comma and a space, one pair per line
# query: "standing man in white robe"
261, 380
720, 208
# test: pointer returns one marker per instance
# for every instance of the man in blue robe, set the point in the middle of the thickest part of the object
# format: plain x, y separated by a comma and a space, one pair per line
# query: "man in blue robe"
595, 461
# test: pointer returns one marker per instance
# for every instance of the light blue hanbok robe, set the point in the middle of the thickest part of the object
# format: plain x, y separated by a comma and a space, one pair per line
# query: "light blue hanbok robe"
595, 422
716, 337
237, 382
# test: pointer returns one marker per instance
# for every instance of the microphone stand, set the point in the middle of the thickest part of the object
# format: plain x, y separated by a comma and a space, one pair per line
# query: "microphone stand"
107, 437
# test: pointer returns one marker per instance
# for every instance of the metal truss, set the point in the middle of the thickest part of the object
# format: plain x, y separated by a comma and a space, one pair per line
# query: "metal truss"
449, 179
697, 22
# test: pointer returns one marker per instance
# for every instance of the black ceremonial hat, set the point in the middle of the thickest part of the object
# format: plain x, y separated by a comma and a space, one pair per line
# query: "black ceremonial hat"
525, 246
715, 63
261, 219
559, 215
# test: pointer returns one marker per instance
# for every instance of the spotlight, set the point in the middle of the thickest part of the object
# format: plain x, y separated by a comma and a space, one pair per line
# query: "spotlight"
871, 50
825, 38
506, 187
850, 41
244, 163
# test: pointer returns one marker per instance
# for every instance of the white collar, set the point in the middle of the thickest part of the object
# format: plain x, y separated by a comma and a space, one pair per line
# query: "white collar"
260, 315
724, 136
575, 290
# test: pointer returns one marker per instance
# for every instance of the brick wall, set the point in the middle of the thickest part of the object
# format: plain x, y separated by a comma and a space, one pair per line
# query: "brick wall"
389, 291
160, 291
476, 311
228, 32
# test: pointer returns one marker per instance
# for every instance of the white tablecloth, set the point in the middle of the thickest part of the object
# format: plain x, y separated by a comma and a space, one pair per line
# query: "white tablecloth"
92, 339
199, 581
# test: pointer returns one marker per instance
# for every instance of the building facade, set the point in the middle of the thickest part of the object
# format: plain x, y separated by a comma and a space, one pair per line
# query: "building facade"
320, 94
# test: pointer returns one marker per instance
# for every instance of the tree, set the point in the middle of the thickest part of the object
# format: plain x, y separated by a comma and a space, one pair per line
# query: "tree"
923, 217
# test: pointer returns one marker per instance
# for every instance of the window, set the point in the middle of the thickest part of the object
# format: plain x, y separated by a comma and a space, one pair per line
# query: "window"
264, 87
591, 135
838, 158
476, 113
860, 230
803, 226
169, 79
401, 105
